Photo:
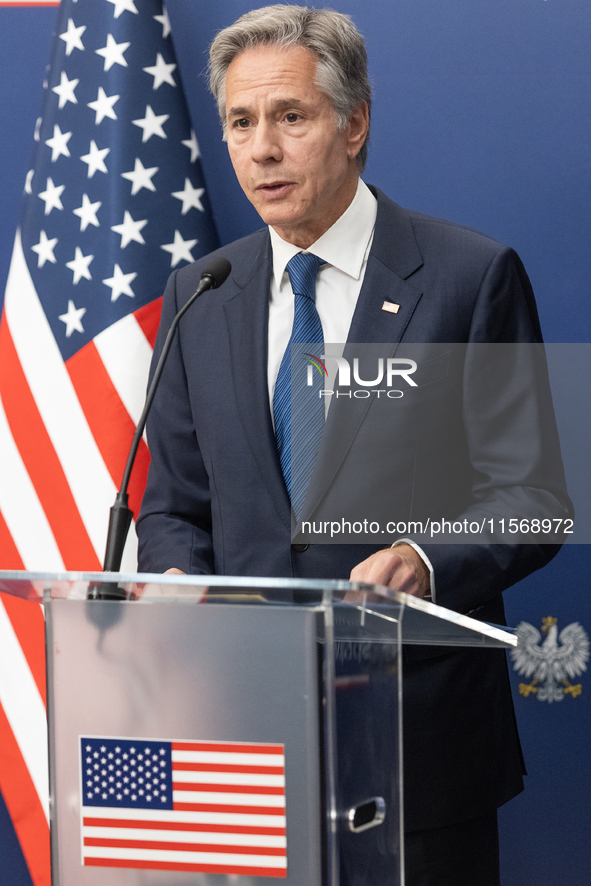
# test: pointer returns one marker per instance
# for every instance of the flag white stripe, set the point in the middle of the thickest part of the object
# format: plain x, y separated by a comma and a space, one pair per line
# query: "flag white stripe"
184, 817
126, 354
263, 840
129, 558
255, 779
24, 708
220, 799
217, 858
22, 509
63, 417
227, 758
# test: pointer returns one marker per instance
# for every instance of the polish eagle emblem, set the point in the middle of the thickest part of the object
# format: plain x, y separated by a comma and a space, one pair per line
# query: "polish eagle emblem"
551, 660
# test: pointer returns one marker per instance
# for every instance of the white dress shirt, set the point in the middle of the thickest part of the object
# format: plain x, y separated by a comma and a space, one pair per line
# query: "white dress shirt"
345, 249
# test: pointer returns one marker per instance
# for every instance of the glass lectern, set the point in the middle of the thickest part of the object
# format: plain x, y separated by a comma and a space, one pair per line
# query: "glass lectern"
219, 731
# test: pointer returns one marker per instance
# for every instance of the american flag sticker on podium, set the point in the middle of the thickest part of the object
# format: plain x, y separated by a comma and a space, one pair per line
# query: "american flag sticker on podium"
212, 807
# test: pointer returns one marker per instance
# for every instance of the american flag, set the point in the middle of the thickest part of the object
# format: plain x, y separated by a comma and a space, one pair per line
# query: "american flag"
114, 200
213, 807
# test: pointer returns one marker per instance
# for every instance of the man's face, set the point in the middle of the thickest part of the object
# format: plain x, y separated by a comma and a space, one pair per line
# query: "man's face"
294, 165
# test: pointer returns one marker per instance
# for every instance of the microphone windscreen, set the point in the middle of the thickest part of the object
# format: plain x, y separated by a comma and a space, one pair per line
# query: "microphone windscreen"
218, 270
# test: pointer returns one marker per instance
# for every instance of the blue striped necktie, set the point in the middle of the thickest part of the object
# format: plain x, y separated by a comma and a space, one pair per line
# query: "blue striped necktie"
298, 408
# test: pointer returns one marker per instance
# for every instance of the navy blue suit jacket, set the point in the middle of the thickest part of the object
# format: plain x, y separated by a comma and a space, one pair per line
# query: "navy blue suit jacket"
216, 500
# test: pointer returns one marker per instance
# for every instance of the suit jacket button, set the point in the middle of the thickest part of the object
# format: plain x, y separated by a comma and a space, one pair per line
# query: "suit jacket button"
300, 548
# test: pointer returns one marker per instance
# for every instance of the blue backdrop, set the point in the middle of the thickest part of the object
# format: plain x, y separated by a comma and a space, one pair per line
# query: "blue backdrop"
482, 116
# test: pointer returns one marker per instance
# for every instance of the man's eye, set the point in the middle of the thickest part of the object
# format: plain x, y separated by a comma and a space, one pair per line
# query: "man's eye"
242, 123
292, 117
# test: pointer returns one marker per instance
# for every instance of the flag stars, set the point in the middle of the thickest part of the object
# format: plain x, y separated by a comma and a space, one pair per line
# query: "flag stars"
140, 177
87, 212
51, 196
59, 143
73, 37
65, 90
79, 266
193, 146
44, 249
103, 106
151, 124
95, 159
123, 6
73, 320
190, 196
130, 230
119, 285
161, 72
180, 250
164, 21
113, 53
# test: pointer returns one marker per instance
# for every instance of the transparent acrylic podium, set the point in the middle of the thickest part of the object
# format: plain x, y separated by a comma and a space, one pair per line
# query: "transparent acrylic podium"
218, 731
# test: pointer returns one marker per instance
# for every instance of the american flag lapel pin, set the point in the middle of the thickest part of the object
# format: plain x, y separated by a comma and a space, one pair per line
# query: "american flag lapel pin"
391, 307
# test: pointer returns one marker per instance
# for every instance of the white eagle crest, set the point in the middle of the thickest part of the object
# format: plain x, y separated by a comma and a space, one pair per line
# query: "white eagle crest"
552, 661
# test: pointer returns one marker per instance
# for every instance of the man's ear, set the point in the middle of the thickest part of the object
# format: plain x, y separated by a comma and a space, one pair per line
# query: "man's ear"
357, 127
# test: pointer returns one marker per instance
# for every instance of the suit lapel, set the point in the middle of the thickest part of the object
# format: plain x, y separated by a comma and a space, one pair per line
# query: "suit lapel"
393, 257
247, 320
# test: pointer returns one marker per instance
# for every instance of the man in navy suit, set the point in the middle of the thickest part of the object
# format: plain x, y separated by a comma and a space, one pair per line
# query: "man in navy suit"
292, 89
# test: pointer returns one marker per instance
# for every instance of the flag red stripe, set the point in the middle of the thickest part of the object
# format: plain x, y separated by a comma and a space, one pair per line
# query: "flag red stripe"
29, 626
41, 461
23, 806
228, 767
223, 807
184, 847
108, 419
9, 555
227, 788
148, 319
202, 747
176, 866
183, 826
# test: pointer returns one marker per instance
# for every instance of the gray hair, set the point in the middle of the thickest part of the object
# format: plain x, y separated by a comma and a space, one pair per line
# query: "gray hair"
341, 72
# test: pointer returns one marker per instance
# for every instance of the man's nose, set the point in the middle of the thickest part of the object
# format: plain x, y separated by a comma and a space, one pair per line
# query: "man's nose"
265, 143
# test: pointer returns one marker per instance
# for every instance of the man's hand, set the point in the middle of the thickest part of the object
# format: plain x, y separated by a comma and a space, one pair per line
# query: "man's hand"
174, 571
399, 568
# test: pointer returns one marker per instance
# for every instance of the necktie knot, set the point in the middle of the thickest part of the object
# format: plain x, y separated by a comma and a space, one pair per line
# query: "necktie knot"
302, 270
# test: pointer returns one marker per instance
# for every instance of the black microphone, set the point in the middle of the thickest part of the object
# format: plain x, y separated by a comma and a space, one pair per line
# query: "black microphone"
120, 516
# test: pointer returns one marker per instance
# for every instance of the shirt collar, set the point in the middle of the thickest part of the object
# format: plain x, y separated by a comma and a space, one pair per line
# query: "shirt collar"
344, 245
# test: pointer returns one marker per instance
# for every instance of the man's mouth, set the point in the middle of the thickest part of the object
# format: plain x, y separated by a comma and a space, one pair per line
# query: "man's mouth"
273, 187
